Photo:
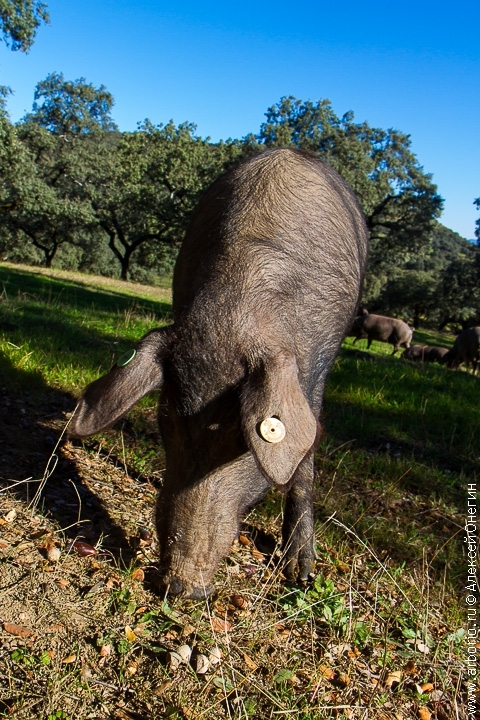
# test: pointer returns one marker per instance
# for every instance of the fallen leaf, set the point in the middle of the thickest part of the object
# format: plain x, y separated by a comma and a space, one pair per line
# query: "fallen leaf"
138, 574
326, 672
244, 540
249, 662
10, 516
105, 650
221, 625
238, 601
257, 554
393, 678
427, 687
70, 659
188, 630
62, 582
411, 668
424, 713
129, 634
343, 680
160, 689
17, 630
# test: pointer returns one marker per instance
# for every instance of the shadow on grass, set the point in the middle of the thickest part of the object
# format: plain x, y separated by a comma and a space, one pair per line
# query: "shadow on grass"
31, 418
421, 413
48, 317
57, 292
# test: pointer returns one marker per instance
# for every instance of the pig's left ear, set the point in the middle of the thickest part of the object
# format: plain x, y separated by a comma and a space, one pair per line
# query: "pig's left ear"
277, 421
137, 372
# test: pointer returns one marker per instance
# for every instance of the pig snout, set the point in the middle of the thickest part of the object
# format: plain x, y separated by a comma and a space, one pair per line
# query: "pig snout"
197, 526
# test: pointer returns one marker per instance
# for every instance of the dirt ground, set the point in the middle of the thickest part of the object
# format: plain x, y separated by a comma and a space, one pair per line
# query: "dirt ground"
85, 634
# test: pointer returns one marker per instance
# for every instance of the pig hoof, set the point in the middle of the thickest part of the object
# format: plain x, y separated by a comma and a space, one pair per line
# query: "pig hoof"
299, 569
175, 586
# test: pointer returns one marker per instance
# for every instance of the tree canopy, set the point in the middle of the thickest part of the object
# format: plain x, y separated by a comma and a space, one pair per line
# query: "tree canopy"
66, 107
19, 22
399, 200
77, 193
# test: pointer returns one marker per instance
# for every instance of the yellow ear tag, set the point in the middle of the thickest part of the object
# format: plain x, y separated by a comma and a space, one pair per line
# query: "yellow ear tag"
126, 358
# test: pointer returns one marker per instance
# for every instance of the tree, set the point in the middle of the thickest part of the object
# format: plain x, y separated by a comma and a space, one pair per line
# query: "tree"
458, 293
410, 294
156, 177
52, 204
19, 22
399, 200
63, 139
71, 107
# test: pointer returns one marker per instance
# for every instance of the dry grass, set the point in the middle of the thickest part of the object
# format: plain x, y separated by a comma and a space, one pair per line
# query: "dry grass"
377, 635
89, 637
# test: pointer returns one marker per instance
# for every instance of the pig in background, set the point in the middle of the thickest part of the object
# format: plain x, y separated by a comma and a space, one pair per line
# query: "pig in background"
426, 353
465, 350
265, 287
372, 327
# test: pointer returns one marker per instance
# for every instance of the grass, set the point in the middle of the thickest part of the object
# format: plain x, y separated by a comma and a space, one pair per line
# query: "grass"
379, 633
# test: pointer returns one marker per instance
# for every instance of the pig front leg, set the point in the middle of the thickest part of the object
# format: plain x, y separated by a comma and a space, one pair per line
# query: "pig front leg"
298, 529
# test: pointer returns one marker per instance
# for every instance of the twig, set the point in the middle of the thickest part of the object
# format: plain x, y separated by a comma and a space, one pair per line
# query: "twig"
49, 469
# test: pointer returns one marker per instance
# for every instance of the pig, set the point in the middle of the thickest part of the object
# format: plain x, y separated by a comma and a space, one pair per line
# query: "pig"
266, 284
466, 349
425, 353
385, 329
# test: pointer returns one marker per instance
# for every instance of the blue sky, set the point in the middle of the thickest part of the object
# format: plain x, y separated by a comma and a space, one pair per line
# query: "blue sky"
413, 66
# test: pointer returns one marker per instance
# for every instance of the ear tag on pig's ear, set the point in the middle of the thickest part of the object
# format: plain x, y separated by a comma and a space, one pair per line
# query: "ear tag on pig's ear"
272, 430
126, 358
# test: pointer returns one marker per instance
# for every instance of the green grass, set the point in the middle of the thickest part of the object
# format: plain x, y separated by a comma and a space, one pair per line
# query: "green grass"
400, 445
65, 330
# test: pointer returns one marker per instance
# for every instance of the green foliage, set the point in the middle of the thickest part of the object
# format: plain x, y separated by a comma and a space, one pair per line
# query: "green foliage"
153, 180
76, 194
71, 108
51, 206
399, 200
320, 601
19, 22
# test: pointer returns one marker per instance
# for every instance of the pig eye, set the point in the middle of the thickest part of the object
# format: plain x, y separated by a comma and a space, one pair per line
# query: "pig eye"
272, 430
126, 358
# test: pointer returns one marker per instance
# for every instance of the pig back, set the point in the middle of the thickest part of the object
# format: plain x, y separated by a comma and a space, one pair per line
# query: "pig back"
274, 256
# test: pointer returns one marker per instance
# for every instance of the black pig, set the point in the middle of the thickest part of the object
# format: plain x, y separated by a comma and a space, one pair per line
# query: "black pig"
379, 327
425, 353
466, 349
266, 284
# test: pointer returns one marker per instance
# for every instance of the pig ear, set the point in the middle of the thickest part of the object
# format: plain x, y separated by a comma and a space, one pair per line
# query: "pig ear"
135, 374
277, 421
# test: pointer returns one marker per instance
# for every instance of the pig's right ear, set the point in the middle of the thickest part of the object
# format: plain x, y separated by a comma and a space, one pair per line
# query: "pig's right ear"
135, 374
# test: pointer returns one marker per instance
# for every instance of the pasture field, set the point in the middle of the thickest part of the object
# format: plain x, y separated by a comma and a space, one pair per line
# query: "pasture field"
379, 633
